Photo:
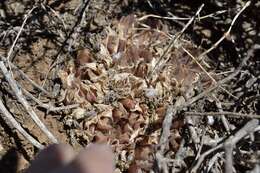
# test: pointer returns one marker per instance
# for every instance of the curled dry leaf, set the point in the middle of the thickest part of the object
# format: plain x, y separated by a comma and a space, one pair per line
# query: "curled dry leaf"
117, 114
104, 124
128, 103
100, 138
83, 56
88, 94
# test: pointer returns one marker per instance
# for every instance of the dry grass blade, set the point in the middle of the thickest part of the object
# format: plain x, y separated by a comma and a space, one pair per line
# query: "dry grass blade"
26, 105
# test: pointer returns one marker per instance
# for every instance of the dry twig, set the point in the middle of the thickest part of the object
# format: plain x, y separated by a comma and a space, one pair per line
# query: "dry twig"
173, 41
27, 77
231, 141
192, 131
201, 57
167, 122
205, 71
250, 54
26, 105
231, 114
18, 35
223, 118
181, 18
14, 124
57, 60
174, 109
49, 107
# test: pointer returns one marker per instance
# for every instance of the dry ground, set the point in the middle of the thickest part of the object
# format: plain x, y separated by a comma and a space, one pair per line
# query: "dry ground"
133, 72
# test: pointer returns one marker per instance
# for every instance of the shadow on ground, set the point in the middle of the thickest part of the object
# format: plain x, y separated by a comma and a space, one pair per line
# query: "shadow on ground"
9, 161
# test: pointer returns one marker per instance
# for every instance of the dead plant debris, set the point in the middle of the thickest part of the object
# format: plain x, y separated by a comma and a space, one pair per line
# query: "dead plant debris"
171, 86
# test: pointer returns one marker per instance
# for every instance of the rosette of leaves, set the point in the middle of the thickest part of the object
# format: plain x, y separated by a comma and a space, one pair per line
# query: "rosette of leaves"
124, 90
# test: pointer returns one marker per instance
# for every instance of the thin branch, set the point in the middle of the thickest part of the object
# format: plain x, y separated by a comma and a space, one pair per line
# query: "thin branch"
213, 161
223, 118
233, 140
226, 34
14, 124
205, 71
250, 54
173, 41
204, 155
229, 147
27, 77
167, 122
231, 114
18, 35
248, 128
44, 6
192, 131
49, 107
181, 18
26, 105
80, 15
171, 111
56, 60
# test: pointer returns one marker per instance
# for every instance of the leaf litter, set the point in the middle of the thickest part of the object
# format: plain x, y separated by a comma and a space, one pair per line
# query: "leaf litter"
125, 80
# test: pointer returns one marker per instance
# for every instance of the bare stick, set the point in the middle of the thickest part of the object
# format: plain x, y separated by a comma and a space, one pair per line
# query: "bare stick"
168, 117
167, 122
202, 142
193, 133
203, 156
205, 71
231, 114
229, 156
18, 35
213, 161
233, 140
223, 118
14, 124
226, 34
181, 18
49, 107
248, 128
55, 13
173, 41
250, 54
26, 105
27, 77
83, 7
46, 106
